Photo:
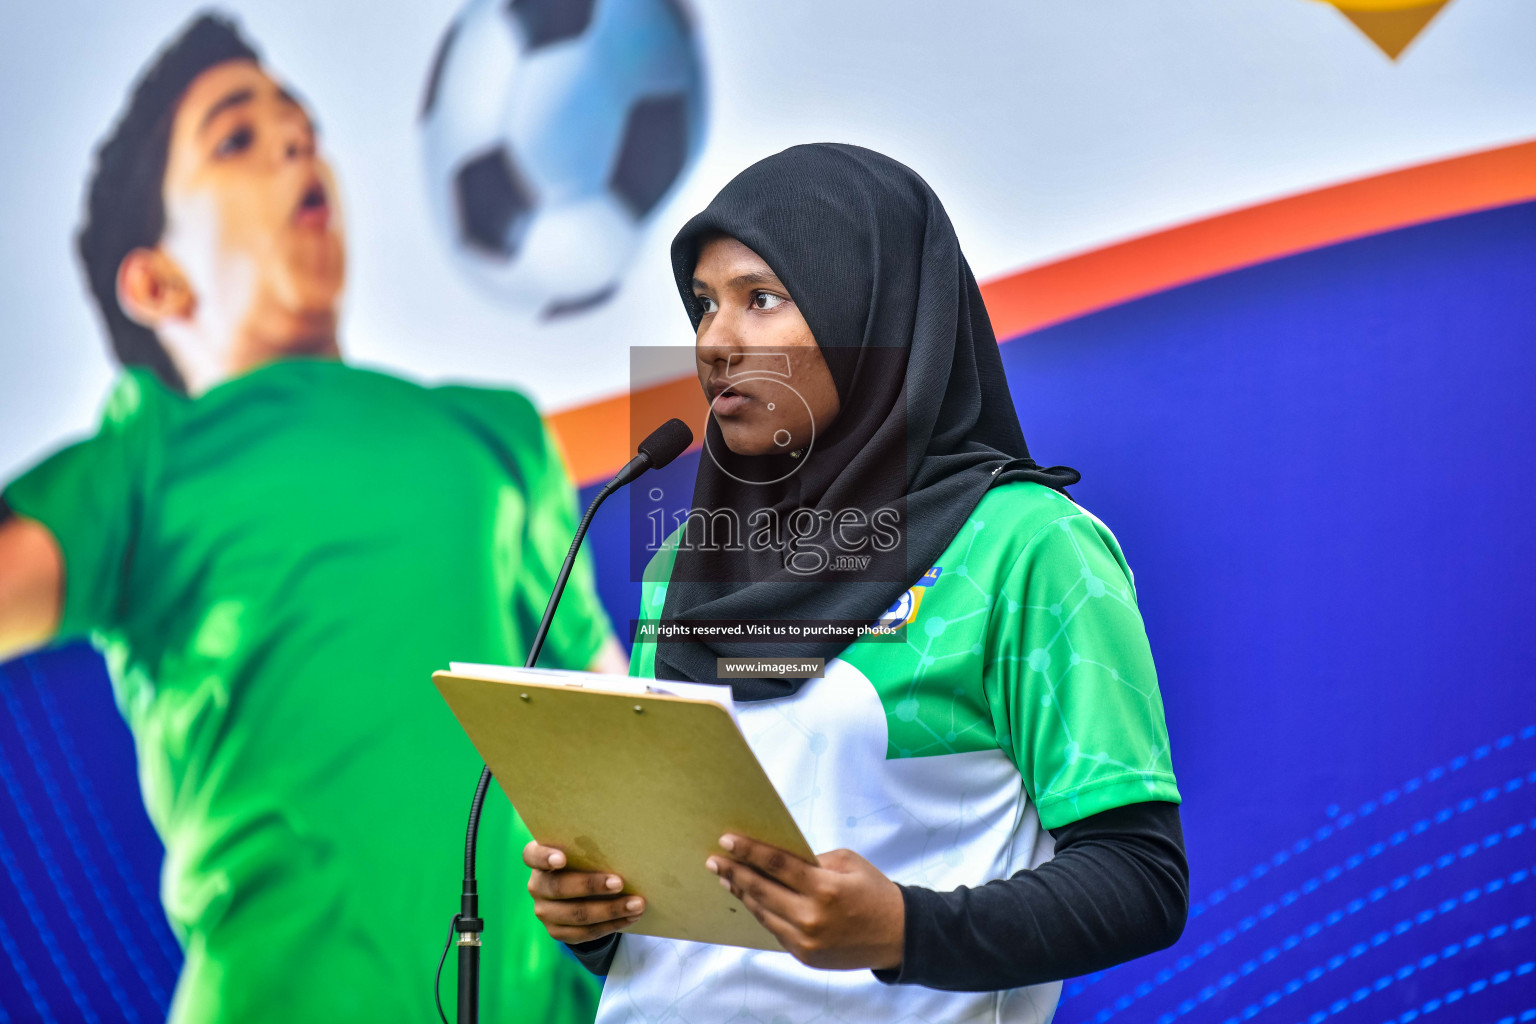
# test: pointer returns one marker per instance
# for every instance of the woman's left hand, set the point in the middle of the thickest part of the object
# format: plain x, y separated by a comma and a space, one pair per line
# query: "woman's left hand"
840, 913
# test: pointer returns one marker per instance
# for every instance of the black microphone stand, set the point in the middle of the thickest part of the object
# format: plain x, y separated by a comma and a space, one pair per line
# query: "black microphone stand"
467, 924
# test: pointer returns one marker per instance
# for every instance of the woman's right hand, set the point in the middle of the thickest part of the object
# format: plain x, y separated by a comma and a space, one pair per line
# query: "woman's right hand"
577, 906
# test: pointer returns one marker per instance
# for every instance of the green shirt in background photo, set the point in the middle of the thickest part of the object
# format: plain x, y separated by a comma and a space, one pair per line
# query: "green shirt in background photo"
273, 571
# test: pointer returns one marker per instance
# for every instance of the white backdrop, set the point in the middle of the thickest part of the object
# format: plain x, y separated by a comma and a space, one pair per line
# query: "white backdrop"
1047, 128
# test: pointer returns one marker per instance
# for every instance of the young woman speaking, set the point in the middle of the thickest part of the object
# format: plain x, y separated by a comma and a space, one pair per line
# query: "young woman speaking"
994, 785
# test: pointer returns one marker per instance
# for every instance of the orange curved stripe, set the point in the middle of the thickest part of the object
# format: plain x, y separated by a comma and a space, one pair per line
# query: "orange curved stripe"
598, 438
1040, 296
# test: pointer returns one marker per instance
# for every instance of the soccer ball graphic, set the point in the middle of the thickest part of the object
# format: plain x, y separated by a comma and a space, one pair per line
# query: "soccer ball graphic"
552, 130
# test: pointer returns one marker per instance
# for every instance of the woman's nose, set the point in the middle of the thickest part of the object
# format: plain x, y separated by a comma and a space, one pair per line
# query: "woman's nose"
721, 338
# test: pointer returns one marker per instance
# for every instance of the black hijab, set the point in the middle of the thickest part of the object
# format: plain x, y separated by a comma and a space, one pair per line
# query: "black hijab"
926, 423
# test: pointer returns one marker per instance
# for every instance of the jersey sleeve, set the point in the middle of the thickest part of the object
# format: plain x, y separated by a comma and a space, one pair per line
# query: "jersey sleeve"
549, 523
1071, 678
509, 420
653, 599
89, 496
580, 624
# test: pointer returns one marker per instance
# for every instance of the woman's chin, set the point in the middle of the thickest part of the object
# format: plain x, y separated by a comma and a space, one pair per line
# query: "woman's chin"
740, 448
747, 442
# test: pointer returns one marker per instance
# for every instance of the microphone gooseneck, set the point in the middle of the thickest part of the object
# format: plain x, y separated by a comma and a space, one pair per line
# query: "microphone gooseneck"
664, 444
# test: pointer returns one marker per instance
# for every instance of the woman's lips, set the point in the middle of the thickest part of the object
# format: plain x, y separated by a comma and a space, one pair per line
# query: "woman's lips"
725, 398
728, 403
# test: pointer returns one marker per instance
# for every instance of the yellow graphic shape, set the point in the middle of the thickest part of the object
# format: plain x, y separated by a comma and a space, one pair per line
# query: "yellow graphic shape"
917, 602
1390, 24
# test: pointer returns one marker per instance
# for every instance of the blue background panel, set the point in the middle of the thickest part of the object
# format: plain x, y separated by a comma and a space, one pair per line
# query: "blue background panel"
84, 937
1319, 469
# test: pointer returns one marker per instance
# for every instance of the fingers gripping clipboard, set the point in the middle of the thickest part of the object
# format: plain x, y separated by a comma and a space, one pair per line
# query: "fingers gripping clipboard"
628, 780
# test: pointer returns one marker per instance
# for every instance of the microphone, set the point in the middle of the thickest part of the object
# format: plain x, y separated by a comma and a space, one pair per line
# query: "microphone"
664, 444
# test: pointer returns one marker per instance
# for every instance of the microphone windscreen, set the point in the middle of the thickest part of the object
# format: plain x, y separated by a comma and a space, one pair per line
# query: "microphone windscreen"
666, 442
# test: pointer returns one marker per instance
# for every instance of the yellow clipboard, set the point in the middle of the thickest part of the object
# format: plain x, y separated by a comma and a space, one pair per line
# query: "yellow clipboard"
639, 783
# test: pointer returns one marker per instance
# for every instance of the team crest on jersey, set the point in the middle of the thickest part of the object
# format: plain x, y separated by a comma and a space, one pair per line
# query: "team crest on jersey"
906, 606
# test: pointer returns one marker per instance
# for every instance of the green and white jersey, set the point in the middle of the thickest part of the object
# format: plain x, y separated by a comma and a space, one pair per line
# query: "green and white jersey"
1023, 697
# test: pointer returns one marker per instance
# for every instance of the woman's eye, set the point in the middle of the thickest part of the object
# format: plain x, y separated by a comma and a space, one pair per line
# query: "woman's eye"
765, 300
237, 141
706, 304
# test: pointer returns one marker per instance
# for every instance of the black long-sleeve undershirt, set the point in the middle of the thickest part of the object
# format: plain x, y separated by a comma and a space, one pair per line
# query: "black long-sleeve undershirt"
597, 955
1117, 889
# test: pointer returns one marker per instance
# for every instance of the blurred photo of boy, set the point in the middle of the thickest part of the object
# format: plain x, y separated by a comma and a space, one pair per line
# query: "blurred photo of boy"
274, 551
